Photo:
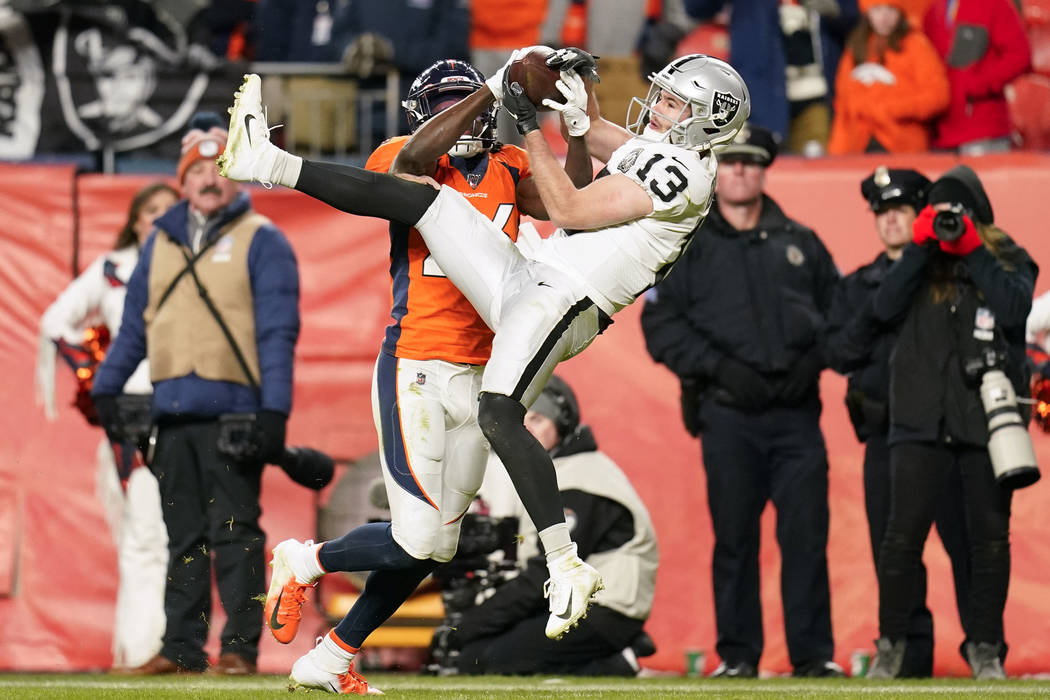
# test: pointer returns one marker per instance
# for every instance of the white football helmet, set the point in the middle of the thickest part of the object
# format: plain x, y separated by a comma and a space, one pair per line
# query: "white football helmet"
716, 99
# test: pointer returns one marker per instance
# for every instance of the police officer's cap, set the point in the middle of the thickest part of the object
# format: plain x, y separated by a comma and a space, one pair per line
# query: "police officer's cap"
890, 186
753, 144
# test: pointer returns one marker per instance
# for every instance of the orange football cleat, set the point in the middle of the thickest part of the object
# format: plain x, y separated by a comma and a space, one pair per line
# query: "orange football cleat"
284, 600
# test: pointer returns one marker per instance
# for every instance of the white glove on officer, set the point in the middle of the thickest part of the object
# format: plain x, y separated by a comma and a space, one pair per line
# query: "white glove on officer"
495, 82
574, 109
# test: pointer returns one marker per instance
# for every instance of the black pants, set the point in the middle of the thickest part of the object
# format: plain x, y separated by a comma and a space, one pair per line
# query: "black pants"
919, 473
524, 649
752, 458
951, 527
210, 506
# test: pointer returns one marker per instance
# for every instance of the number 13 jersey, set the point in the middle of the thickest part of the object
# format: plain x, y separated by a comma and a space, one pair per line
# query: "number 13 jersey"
618, 263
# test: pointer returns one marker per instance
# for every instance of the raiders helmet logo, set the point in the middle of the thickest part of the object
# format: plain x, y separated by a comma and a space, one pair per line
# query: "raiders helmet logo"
723, 108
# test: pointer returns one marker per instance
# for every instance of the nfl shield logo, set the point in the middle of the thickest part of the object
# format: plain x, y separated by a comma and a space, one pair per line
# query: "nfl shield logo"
723, 108
421, 378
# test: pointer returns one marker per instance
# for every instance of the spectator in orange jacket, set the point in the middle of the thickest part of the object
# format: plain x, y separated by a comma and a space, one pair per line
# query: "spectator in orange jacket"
984, 44
890, 85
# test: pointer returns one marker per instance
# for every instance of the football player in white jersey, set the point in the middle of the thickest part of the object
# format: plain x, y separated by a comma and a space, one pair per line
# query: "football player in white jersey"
617, 237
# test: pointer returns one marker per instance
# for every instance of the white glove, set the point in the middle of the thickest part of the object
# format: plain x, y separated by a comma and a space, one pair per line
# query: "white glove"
495, 82
870, 73
574, 109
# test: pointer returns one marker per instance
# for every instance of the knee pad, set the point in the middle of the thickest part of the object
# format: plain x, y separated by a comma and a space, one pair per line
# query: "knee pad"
500, 417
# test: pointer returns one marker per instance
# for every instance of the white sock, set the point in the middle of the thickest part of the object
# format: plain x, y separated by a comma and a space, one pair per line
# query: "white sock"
304, 563
286, 168
330, 655
556, 541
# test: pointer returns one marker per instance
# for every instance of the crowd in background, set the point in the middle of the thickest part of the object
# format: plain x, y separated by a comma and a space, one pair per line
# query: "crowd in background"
826, 76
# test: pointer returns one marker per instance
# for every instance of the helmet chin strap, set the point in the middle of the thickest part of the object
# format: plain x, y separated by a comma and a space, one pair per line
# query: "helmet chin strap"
651, 134
466, 148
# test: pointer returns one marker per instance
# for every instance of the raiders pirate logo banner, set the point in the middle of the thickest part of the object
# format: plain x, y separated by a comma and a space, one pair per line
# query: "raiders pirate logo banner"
723, 108
90, 76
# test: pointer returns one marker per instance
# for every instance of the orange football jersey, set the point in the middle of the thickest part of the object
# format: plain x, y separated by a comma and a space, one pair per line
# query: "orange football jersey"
432, 320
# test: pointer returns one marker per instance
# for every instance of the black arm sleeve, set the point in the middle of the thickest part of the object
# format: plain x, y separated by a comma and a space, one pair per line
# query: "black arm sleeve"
897, 290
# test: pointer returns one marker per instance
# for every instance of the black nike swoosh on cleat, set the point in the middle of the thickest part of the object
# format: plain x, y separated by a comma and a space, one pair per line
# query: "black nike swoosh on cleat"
274, 624
568, 609
247, 127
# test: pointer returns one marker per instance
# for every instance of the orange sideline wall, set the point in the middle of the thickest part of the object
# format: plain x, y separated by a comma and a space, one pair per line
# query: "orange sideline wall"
57, 563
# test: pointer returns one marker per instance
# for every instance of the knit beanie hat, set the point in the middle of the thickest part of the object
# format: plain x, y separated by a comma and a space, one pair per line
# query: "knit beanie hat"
960, 185
205, 140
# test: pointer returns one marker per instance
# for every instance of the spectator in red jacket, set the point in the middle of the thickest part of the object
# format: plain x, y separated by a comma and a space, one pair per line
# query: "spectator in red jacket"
983, 43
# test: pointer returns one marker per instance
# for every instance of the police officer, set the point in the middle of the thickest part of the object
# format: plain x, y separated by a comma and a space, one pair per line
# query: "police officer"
740, 320
860, 347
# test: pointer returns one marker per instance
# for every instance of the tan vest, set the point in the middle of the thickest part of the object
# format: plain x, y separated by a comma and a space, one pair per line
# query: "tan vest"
183, 337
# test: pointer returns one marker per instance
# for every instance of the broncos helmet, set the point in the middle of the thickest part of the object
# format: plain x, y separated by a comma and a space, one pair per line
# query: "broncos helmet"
716, 100
438, 87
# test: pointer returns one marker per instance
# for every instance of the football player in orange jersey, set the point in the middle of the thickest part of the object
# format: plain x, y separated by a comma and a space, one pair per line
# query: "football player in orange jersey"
619, 236
426, 382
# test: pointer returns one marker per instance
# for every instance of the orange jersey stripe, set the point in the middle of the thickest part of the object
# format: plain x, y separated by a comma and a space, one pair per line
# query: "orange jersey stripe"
431, 318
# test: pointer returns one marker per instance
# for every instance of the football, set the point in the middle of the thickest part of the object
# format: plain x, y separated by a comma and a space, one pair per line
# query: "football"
531, 72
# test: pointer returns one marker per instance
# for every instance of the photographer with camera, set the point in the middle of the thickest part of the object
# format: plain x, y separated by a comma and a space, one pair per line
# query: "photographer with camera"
960, 294
611, 526
859, 346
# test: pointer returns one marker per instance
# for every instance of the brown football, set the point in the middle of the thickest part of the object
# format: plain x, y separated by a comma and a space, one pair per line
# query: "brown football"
532, 73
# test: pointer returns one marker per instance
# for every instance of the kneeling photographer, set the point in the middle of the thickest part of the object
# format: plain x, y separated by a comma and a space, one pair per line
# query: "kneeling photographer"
611, 526
961, 294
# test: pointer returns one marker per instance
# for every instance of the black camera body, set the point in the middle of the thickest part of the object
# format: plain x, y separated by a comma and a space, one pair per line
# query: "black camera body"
485, 559
948, 224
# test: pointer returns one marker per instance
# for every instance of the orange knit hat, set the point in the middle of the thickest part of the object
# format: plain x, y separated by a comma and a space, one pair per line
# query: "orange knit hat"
200, 145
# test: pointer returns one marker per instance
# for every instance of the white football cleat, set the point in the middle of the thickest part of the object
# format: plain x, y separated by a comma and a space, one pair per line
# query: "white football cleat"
308, 672
569, 589
249, 155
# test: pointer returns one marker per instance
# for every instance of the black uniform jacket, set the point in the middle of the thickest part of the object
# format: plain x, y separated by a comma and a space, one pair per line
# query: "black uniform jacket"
859, 345
931, 397
759, 296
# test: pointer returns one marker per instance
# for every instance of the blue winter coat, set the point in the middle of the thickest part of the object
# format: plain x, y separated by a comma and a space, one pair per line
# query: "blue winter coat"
274, 277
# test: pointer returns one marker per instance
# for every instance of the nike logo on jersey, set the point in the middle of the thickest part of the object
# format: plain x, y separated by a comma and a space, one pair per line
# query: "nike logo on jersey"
542, 284
274, 624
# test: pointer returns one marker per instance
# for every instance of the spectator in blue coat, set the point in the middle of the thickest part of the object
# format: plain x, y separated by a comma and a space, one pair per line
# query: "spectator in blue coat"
213, 303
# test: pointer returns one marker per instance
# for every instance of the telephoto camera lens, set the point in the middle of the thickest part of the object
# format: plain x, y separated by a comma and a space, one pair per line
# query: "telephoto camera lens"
948, 225
1009, 444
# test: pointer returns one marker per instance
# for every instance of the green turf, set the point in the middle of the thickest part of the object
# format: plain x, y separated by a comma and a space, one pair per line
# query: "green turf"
102, 687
